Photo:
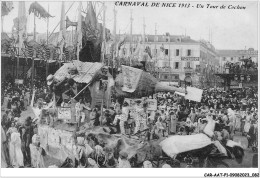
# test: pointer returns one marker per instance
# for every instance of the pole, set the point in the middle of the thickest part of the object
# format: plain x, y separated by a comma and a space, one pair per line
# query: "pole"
169, 39
34, 54
104, 33
2, 24
131, 34
155, 62
114, 33
47, 64
19, 37
59, 21
79, 32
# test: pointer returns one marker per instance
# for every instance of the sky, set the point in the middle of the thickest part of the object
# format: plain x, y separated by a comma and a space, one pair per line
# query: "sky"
230, 28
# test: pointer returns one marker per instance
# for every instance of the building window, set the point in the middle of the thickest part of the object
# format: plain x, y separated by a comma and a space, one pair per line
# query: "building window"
231, 58
224, 58
165, 77
189, 52
176, 77
177, 52
166, 51
188, 64
176, 65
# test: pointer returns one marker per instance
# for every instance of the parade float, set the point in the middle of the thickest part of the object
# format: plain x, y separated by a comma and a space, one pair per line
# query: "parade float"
82, 71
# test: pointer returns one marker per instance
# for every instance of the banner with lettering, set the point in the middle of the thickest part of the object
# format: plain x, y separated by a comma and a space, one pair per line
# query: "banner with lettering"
64, 114
131, 77
151, 104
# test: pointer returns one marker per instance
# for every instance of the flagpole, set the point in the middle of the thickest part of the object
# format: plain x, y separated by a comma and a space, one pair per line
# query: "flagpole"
79, 33
34, 52
114, 32
19, 48
104, 33
47, 41
62, 31
2, 24
131, 35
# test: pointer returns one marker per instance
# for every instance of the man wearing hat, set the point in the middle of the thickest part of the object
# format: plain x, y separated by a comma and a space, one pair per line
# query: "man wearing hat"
27, 134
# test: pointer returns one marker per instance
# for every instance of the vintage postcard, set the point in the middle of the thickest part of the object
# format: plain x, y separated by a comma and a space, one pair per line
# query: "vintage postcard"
129, 84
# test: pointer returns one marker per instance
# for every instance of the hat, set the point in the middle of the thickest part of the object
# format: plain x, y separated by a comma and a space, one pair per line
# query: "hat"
147, 164
125, 104
166, 166
80, 141
35, 139
123, 155
91, 162
28, 119
50, 79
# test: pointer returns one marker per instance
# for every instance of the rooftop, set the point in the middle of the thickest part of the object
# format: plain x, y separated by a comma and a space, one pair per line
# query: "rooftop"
160, 38
239, 53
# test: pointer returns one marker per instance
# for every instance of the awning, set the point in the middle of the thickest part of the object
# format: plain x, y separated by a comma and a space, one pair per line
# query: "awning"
86, 70
179, 93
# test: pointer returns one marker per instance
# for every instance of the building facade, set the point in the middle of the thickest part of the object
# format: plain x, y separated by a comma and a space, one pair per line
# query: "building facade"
177, 58
238, 68
236, 56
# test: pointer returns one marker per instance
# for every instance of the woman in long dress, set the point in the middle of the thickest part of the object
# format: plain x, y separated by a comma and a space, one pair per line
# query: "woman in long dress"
5, 103
37, 152
15, 149
247, 122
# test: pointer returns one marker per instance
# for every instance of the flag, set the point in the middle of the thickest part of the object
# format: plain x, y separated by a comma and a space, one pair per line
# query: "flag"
6, 7
121, 42
91, 24
22, 22
39, 11
29, 73
148, 51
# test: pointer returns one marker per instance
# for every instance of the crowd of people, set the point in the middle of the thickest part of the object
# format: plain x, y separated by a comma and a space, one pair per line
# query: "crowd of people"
19, 138
234, 111
248, 66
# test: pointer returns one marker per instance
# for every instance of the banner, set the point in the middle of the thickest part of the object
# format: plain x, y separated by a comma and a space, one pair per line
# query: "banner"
194, 94
64, 114
131, 77
18, 81
152, 104
132, 102
190, 58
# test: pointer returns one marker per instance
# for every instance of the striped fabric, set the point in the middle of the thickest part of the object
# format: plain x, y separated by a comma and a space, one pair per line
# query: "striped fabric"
46, 52
28, 51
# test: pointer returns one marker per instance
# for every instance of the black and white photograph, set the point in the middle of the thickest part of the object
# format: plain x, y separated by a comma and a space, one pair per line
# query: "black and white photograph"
130, 84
